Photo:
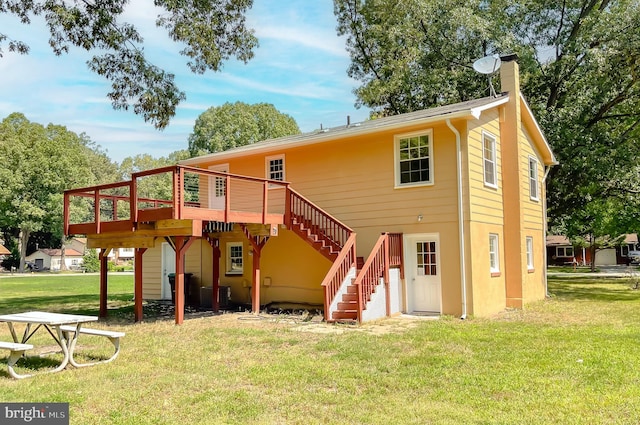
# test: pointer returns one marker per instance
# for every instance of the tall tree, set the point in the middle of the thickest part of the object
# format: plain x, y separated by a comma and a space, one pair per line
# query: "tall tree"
580, 69
39, 163
237, 124
211, 32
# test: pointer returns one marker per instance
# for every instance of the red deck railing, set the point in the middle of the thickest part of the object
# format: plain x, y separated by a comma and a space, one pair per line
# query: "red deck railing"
338, 272
174, 192
386, 253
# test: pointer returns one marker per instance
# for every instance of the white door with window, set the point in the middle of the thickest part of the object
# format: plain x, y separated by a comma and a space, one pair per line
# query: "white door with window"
424, 291
218, 188
168, 266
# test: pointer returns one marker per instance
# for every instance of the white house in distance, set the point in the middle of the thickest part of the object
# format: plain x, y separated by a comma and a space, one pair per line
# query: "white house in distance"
51, 259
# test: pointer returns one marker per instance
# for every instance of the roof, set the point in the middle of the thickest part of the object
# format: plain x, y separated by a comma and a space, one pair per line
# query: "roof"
560, 240
466, 110
58, 252
4, 251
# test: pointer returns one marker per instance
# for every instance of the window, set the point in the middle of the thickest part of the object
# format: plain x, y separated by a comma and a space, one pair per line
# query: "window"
533, 178
414, 159
494, 260
74, 262
530, 252
234, 258
427, 261
275, 168
564, 251
489, 160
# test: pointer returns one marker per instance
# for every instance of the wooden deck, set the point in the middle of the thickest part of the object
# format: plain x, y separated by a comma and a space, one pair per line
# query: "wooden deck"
126, 212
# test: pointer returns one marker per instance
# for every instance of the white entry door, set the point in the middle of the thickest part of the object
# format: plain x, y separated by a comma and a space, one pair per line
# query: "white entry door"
424, 286
218, 188
168, 266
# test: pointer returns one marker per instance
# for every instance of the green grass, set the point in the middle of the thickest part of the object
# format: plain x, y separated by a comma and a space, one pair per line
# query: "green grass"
571, 359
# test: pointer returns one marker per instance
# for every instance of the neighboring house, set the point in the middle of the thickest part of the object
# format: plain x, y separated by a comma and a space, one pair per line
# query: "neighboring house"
77, 244
121, 255
440, 211
51, 259
4, 251
560, 251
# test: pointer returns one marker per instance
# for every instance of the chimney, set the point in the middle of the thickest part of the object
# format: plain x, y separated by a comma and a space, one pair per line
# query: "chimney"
510, 75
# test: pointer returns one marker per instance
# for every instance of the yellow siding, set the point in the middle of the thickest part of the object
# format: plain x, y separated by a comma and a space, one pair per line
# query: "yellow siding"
485, 202
152, 273
488, 295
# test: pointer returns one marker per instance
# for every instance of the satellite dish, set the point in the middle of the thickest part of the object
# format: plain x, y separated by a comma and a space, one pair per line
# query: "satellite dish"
488, 64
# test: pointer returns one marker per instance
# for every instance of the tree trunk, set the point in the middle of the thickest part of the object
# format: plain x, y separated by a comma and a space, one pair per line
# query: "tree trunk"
63, 262
592, 248
23, 239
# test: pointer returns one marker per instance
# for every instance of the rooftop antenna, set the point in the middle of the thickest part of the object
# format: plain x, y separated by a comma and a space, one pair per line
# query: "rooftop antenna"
488, 65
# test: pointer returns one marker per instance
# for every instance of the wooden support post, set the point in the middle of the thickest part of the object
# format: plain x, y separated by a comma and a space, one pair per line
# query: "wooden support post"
137, 309
216, 277
215, 245
182, 244
387, 289
255, 281
103, 256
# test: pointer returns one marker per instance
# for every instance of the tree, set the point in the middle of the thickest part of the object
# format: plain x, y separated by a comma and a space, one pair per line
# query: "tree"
237, 124
211, 31
580, 72
39, 163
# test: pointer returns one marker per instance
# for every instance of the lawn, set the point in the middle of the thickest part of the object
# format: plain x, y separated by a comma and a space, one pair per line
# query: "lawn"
571, 359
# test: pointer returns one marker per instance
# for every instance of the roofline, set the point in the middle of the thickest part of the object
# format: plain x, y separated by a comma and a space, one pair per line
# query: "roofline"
551, 158
329, 135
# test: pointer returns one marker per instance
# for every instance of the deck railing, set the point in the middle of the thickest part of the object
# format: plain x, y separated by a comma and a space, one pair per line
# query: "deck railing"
338, 272
319, 221
174, 192
386, 253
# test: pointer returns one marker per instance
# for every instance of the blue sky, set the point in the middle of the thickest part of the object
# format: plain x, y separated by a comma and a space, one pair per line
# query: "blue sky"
300, 67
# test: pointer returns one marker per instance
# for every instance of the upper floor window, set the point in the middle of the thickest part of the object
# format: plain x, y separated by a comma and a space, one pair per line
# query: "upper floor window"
275, 167
533, 179
489, 160
414, 159
494, 259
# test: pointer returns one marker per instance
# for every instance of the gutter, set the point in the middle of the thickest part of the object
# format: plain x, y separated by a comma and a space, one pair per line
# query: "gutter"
463, 261
544, 231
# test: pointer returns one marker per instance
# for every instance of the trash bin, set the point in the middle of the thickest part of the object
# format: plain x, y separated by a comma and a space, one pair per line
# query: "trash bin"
172, 282
206, 296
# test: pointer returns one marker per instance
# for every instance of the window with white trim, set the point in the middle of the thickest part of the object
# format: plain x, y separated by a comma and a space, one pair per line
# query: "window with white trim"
489, 160
414, 159
275, 167
530, 252
564, 251
533, 179
234, 258
494, 260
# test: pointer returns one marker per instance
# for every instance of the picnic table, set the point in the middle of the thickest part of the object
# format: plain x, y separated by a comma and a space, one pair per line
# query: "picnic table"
63, 328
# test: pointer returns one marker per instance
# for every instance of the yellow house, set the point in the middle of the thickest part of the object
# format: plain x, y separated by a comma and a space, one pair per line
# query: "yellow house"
438, 211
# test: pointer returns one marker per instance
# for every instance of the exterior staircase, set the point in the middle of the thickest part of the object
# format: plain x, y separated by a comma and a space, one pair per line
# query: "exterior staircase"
316, 237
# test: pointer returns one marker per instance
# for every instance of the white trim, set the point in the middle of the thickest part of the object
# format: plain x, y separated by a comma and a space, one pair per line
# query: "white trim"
494, 267
493, 160
529, 250
267, 168
396, 158
537, 181
523, 102
228, 268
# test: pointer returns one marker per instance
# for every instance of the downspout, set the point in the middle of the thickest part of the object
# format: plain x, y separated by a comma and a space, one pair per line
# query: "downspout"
463, 261
544, 231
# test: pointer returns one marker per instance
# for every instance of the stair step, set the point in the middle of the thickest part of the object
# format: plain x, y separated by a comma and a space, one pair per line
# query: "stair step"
352, 289
348, 306
338, 315
349, 297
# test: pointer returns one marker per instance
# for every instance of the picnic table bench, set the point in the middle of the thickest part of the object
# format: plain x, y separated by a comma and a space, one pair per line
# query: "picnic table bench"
17, 350
113, 336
